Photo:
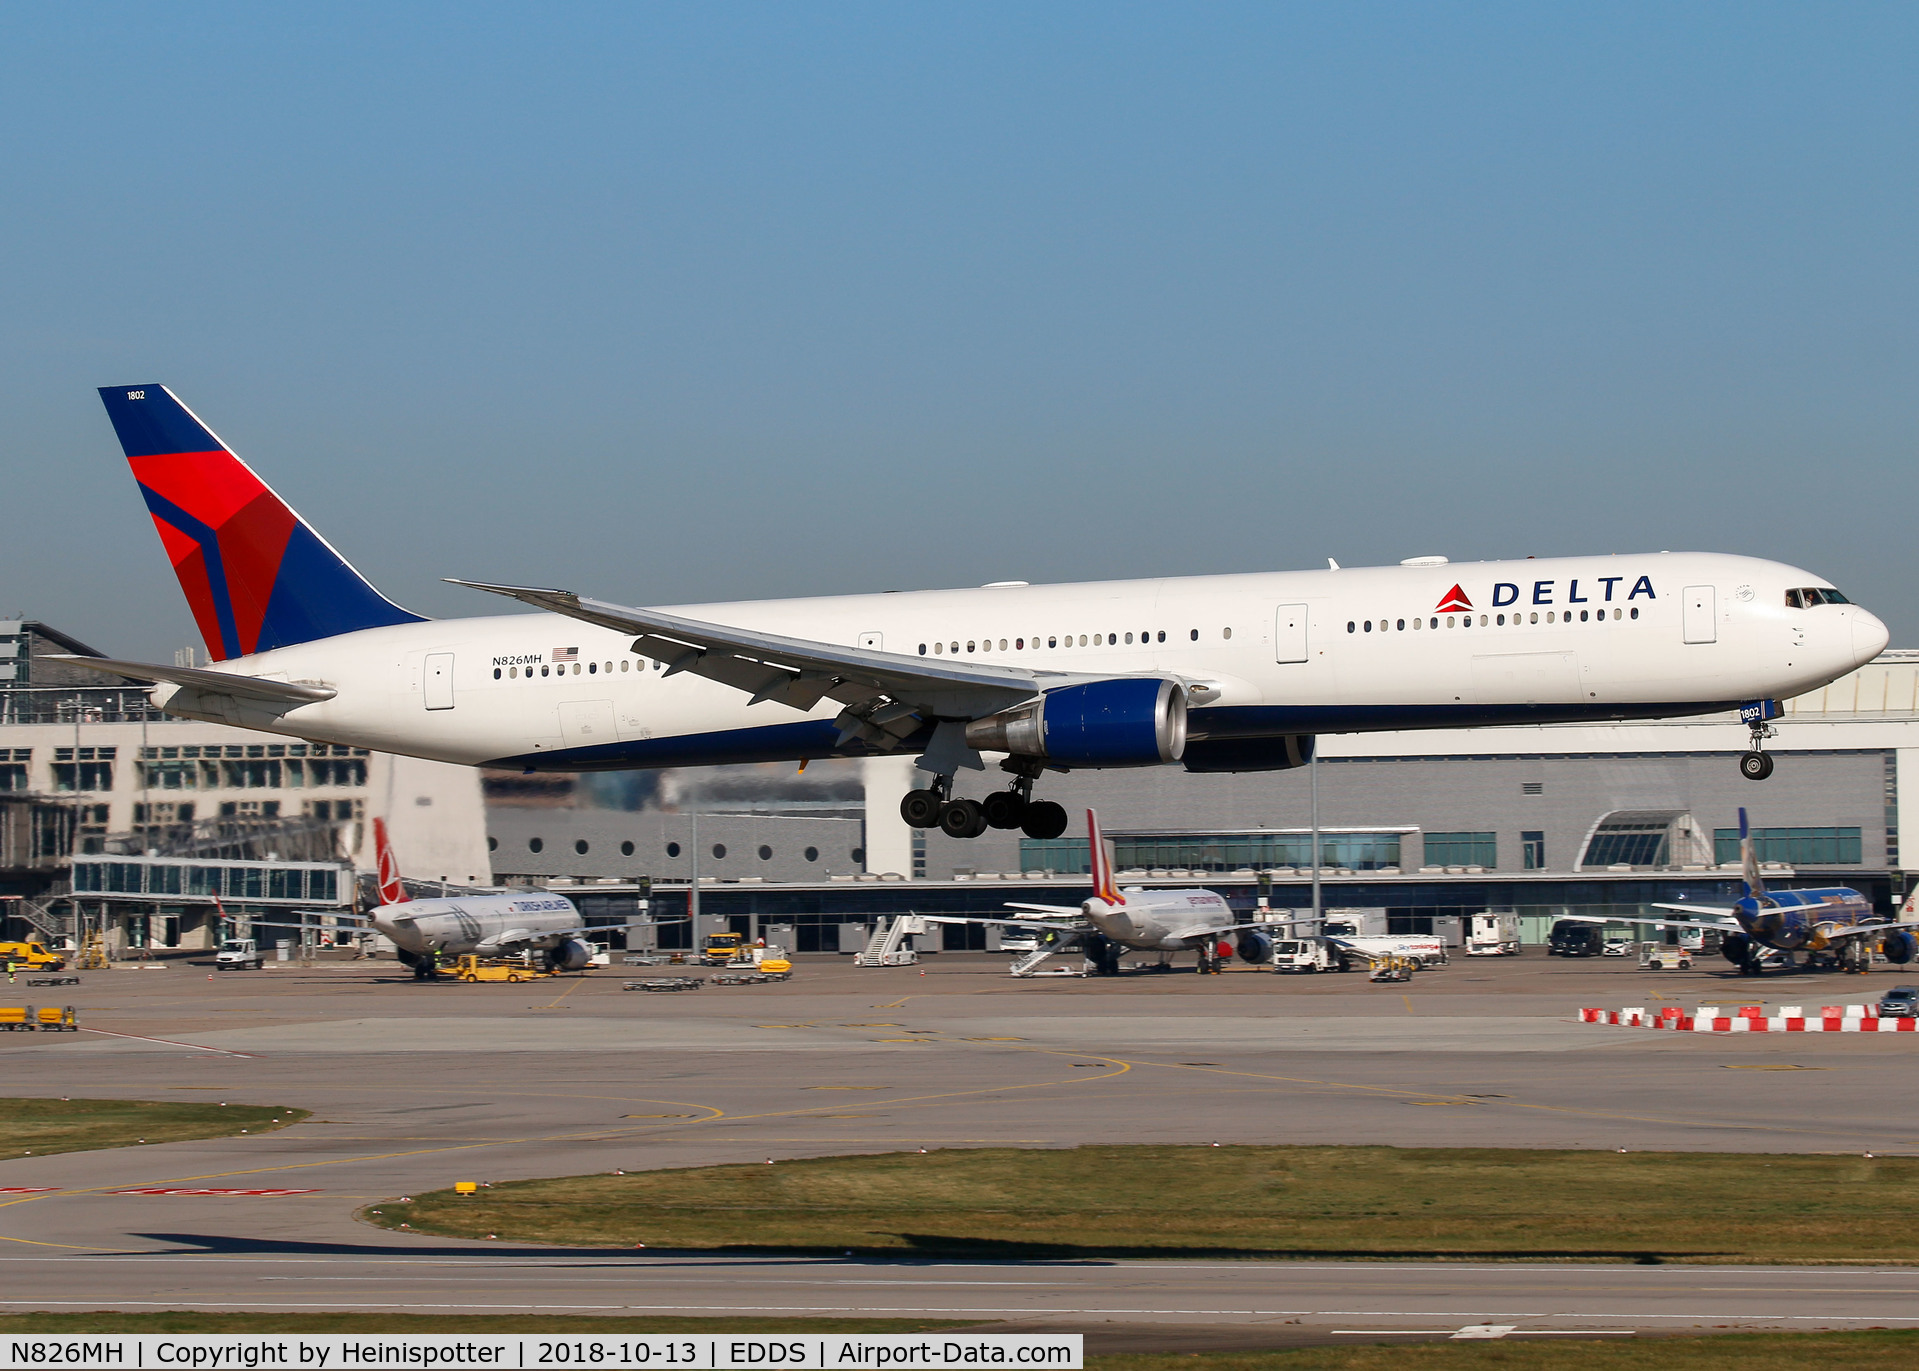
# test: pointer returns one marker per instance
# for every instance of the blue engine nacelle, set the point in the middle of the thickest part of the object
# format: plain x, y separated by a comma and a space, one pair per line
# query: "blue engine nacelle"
1255, 947
571, 955
1899, 946
1128, 722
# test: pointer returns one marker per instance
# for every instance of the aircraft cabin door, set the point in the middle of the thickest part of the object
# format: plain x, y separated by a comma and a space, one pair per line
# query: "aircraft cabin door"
438, 683
1701, 616
1289, 634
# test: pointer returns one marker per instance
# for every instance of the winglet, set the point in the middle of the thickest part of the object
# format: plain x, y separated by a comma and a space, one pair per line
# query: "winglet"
392, 888
1103, 887
1749, 858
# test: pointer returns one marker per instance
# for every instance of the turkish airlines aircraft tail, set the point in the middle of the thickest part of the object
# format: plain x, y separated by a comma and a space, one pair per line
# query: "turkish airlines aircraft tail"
1103, 886
392, 888
256, 575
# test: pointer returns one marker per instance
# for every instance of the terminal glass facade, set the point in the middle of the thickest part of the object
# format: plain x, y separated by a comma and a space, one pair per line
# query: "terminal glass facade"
292, 882
1794, 846
1462, 849
1218, 851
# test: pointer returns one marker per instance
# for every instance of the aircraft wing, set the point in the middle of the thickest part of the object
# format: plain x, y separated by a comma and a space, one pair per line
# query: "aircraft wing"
1044, 908
283, 693
1853, 930
1044, 925
1724, 921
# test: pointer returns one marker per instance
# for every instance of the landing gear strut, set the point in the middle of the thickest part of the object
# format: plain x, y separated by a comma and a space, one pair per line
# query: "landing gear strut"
1754, 764
1014, 807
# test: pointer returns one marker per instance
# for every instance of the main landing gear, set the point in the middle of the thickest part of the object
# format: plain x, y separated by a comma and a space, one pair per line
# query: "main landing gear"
1011, 808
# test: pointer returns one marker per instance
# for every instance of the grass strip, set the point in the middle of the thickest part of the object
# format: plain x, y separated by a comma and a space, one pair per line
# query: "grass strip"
1351, 1203
40, 1127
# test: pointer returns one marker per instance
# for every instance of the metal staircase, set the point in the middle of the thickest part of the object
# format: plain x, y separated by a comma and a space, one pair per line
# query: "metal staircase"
886, 946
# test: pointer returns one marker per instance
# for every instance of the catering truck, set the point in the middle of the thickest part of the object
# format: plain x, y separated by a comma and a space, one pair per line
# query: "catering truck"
1495, 933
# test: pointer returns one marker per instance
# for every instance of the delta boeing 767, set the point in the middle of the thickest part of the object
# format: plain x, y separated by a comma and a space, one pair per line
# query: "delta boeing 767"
1214, 673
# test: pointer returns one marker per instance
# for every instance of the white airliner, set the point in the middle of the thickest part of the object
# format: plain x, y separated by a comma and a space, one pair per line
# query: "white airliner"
1197, 921
1217, 673
488, 925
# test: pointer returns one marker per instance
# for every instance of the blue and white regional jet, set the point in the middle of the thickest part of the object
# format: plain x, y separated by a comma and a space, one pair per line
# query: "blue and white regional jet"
1837, 924
1214, 673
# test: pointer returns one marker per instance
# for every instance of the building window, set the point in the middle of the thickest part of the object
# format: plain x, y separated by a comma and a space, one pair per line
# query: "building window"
1532, 849
1630, 843
812, 854
91, 770
1794, 846
719, 852
536, 844
1462, 849
580, 846
919, 854
672, 849
766, 853
626, 848
1217, 851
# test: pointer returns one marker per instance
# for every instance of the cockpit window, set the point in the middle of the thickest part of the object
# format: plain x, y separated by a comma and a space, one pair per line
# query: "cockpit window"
1810, 597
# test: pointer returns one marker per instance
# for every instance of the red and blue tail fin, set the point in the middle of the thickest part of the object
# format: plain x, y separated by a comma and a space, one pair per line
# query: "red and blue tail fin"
255, 574
1103, 884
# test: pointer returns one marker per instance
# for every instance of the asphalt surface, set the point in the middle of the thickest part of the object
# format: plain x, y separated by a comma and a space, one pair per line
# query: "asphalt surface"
413, 1087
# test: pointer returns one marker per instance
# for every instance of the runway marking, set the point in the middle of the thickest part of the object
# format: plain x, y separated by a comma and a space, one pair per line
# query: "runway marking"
1409, 1002
170, 1042
1485, 1330
193, 1190
561, 996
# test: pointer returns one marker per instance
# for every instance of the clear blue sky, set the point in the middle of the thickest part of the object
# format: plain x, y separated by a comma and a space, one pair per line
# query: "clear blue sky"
669, 303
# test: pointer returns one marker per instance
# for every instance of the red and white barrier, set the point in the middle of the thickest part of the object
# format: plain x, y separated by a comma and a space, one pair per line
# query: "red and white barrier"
1752, 1018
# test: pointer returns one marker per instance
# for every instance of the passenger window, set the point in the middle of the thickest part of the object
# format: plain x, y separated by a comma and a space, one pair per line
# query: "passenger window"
1434, 622
1020, 644
939, 647
1227, 633
969, 647
1002, 645
626, 664
1368, 625
544, 669
1449, 621
1052, 642
922, 649
1502, 621
1351, 626
592, 668
1482, 621
1535, 616
1162, 635
955, 647
1129, 640
1399, 626
1082, 640
1635, 611
1418, 624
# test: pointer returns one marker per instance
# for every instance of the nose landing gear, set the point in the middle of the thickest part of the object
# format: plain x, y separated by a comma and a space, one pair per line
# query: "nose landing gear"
1014, 807
1754, 764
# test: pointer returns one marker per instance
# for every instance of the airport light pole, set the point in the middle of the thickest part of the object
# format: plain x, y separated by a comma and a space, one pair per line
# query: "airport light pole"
1312, 786
693, 887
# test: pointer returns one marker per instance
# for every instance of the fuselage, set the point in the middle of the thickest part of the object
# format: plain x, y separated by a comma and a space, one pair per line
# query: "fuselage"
1796, 920
1165, 921
479, 923
1265, 655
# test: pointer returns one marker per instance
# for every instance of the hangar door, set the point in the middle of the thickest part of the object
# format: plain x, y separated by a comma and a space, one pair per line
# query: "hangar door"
1289, 634
439, 680
1702, 624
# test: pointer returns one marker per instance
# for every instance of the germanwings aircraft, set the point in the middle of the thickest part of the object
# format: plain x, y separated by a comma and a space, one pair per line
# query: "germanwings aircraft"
1837, 922
1145, 920
423, 931
1215, 673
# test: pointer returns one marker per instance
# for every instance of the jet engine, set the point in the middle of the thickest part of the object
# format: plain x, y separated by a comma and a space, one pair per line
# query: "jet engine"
1249, 754
1899, 946
1737, 948
571, 955
1255, 947
1126, 722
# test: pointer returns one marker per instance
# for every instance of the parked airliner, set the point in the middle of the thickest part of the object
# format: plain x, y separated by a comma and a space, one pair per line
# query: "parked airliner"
1836, 923
1198, 921
1215, 673
423, 931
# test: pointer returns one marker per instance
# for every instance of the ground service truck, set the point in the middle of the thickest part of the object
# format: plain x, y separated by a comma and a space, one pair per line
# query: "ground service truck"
1494, 933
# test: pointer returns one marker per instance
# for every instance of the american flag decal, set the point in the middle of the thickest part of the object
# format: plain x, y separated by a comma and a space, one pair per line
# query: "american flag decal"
566, 654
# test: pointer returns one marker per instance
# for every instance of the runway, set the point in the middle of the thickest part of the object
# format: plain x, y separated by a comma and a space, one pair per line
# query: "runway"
413, 1087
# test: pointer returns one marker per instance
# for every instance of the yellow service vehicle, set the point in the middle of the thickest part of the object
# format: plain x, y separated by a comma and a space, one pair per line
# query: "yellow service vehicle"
471, 968
32, 957
722, 948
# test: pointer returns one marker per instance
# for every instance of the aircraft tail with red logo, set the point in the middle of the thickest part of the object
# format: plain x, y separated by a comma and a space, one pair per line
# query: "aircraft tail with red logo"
256, 575
1104, 887
392, 888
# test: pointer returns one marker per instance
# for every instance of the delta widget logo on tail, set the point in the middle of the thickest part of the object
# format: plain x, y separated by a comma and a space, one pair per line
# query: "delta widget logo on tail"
1455, 598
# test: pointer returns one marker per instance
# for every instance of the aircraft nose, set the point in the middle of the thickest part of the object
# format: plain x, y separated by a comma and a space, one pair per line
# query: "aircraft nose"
1869, 636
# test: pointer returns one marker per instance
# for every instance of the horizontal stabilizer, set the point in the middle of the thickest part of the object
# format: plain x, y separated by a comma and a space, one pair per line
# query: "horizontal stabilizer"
210, 682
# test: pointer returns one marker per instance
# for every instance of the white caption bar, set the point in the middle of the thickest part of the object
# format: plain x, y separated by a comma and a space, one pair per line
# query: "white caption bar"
517, 1352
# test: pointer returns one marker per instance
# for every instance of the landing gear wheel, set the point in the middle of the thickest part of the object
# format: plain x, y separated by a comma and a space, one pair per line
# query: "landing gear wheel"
920, 808
1004, 809
962, 819
1044, 819
1755, 766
